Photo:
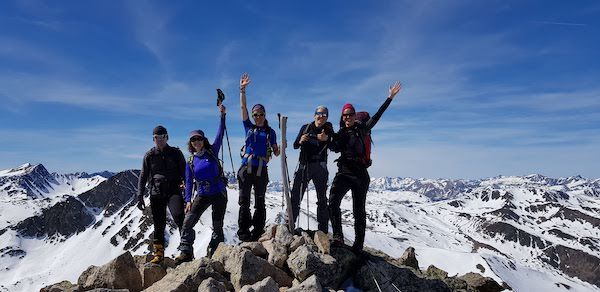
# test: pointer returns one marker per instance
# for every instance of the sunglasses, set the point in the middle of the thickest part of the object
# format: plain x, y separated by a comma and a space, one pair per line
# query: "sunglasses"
159, 137
321, 114
196, 138
258, 114
348, 115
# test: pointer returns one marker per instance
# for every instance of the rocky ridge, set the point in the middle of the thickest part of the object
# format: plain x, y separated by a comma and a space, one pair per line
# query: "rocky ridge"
279, 261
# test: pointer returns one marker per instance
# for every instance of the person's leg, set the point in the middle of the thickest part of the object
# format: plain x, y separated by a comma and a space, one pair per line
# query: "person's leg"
340, 186
319, 176
260, 212
158, 205
188, 235
244, 218
359, 198
298, 188
219, 206
176, 207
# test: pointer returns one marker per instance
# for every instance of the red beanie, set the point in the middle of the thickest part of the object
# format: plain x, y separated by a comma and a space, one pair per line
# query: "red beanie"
348, 106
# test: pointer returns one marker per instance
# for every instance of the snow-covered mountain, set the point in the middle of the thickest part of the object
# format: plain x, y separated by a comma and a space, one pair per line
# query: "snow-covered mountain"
532, 232
27, 189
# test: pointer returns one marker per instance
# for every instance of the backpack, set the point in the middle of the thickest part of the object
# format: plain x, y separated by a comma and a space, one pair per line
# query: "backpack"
219, 165
251, 133
365, 135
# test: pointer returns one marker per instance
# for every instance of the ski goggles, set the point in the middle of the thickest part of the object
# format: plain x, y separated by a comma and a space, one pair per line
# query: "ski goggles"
196, 138
258, 114
348, 115
321, 114
159, 137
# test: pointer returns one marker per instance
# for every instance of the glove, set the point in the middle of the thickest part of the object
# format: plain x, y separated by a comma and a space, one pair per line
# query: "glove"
140, 204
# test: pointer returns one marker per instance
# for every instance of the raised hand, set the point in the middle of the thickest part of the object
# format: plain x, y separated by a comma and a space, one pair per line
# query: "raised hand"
394, 89
322, 136
222, 109
244, 81
303, 138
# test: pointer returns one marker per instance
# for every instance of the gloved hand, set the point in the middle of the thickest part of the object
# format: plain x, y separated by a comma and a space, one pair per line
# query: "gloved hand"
140, 204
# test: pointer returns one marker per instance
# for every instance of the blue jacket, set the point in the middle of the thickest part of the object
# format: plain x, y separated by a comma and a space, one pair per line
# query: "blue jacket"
256, 142
206, 170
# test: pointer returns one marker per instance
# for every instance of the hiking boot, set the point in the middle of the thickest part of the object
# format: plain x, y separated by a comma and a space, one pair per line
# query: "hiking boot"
245, 237
337, 241
184, 257
159, 254
256, 234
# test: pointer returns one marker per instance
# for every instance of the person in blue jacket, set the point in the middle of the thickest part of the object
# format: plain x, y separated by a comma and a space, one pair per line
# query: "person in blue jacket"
260, 143
204, 187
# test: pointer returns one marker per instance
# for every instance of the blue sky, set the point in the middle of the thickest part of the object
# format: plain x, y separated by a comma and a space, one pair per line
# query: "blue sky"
490, 87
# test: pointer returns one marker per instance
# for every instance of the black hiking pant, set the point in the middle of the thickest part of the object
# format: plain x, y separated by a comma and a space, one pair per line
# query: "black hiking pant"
158, 205
246, 182
358, 182
317, 172
200, 204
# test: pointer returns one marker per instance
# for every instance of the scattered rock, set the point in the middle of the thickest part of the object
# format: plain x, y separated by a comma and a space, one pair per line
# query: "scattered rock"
481, 283
266, 285
211, 285
304, 262
348, 263
297, 242
307, 238
435, 273
322, 242
246, 268
283, 236
64, 286
256, 248
269, 233
390, 277
409, 259
120, 273
268, 245
188, 276
309, 285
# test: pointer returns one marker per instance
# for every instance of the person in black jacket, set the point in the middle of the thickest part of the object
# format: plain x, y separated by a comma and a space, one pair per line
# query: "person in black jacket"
163, 169
352, 170
313, 141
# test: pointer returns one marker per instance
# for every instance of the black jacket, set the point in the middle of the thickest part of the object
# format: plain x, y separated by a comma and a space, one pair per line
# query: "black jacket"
348, 141
314, 150
168, 164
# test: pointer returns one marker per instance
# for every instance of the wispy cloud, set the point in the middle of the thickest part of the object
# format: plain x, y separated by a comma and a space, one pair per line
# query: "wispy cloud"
559, 23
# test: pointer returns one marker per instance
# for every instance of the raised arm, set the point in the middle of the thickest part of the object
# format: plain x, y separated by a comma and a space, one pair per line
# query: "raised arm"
216, 145
394, 89
189, 181
244, 81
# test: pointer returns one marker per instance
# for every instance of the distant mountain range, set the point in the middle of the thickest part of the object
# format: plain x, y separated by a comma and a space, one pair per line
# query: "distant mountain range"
532, 232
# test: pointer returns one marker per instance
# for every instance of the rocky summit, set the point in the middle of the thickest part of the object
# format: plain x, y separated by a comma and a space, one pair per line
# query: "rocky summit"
252, 266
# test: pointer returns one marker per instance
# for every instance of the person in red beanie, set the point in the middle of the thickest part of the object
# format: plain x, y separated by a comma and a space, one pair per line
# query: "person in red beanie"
353, 143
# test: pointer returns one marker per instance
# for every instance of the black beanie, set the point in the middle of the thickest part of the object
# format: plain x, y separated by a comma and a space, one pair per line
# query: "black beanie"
159, 130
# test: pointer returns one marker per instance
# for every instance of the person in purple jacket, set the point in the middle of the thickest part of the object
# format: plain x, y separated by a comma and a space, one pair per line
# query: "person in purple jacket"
260, 143
204, 187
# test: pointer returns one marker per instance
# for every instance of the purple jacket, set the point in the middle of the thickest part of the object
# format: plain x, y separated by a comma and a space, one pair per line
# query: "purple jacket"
206, 170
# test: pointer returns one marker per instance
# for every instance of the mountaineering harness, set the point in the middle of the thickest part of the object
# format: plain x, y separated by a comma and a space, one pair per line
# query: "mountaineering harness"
206, 184
261, 159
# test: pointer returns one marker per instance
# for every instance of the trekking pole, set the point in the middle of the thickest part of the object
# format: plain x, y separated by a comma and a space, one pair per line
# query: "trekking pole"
220, 99
307, 200
283, 193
